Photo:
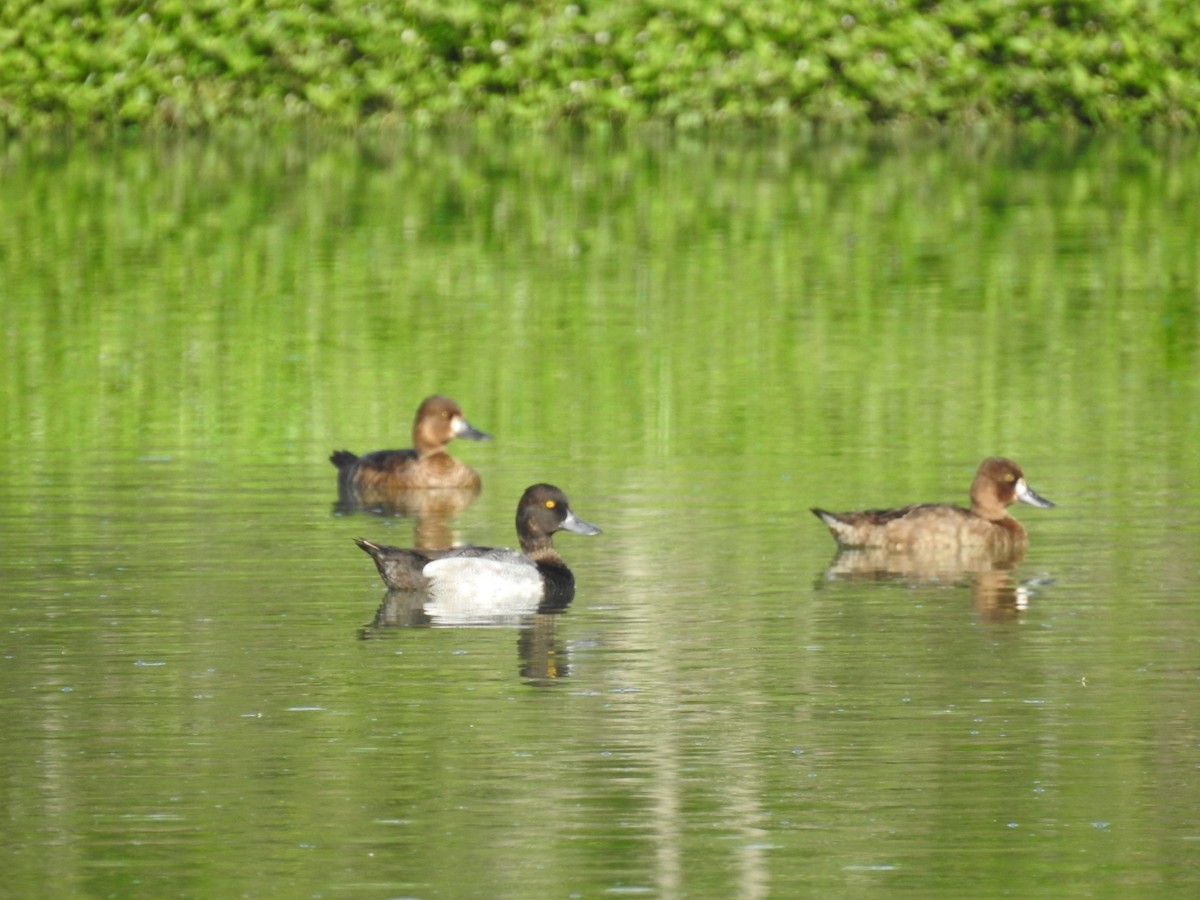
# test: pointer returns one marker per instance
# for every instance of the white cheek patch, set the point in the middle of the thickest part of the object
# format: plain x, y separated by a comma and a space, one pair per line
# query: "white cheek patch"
458, 425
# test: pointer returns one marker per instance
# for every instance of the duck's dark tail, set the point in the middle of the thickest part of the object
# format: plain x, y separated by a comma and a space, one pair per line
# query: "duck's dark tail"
399, 568
832, 521
343, 458
829, 519
367, 547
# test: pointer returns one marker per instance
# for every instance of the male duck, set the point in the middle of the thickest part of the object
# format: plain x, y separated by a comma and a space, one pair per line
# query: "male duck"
379, 476
489, 579
931, 527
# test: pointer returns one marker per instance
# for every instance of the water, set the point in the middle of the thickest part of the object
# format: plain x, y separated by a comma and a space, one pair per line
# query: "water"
697, 342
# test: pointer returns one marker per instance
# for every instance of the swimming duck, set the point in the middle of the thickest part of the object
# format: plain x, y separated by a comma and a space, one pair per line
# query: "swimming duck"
379, 476
492, 580
929, 527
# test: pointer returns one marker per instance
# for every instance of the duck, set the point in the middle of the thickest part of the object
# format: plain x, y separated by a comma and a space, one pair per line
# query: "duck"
382, 476
936, 527
463, 582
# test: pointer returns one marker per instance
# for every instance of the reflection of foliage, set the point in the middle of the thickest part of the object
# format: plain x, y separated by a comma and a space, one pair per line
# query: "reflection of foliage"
169, 296
688, 62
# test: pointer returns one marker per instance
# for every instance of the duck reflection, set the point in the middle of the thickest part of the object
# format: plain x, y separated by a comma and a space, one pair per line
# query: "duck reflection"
431, 509
414, 609
995, 592
541, 651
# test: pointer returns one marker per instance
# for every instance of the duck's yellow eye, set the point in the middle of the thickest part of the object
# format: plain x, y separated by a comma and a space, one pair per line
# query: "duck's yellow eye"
550, 504
1009, 476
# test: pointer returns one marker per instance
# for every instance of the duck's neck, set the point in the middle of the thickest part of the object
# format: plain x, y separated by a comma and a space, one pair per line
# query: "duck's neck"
540, 550
993, 512
426, 442
424, 451
987, 505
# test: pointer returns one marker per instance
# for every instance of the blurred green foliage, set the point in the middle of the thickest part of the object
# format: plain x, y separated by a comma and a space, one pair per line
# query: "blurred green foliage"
191, 63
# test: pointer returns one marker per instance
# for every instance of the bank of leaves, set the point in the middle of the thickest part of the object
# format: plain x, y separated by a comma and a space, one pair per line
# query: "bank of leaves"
193, 63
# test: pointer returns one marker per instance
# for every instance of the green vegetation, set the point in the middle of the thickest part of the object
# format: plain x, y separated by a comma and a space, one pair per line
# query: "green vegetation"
192, 63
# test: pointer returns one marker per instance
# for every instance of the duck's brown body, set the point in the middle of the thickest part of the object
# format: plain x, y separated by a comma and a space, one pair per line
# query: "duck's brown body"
932, 527
377, 478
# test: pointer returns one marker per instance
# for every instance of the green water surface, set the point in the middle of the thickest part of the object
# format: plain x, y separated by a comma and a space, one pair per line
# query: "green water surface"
697, 341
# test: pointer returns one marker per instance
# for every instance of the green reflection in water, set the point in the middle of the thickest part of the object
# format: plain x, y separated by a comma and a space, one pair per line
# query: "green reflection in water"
669, 300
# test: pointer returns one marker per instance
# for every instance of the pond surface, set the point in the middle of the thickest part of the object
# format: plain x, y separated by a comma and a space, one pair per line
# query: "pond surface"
697, 342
